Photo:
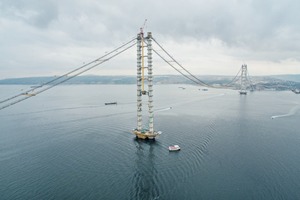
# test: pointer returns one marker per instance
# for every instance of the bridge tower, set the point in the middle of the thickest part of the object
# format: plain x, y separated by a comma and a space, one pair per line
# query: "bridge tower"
142, 80
243, 80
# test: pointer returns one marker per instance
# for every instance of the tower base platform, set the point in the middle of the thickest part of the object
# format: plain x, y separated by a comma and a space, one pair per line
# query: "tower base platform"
145, 134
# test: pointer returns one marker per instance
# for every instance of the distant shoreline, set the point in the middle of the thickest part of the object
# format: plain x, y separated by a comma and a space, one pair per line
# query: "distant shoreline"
276, 82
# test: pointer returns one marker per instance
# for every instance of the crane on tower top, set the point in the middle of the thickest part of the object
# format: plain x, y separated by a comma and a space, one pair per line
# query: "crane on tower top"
143, 27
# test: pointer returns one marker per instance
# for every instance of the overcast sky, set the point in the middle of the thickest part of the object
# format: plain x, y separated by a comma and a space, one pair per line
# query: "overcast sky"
51, 37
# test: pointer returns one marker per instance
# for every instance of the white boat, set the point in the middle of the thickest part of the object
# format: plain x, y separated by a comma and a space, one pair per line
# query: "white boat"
174, 148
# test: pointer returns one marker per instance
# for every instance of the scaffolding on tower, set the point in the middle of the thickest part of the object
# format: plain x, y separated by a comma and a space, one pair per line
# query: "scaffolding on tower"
142, 132
243, 89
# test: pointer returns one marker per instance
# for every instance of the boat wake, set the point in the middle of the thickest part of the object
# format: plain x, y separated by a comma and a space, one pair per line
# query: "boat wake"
163, 109
292, 112
197, 100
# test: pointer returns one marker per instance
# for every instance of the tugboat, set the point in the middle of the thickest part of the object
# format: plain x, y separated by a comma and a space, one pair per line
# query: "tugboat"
174, 148
111, 103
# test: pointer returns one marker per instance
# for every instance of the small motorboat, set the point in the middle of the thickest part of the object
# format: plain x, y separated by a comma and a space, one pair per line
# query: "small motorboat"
296, 91
110, 103
174, 148
243, 92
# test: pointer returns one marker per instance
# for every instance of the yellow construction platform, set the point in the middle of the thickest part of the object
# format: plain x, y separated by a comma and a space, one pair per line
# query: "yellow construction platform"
145, 134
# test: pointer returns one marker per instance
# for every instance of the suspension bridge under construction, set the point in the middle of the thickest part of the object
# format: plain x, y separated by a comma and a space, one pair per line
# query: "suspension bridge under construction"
144, 79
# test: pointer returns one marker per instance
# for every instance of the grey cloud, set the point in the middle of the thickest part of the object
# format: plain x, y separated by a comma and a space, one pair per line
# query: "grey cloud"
235, 23
263, 30
239, 23
33, 12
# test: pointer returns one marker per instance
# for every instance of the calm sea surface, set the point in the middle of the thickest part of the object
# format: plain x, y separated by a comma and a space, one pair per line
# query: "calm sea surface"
66, 144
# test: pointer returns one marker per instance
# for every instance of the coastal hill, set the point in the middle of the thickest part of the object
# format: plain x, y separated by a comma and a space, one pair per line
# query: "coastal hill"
276, 82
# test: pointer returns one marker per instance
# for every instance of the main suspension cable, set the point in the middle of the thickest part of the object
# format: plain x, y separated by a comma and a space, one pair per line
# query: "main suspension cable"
195, 80
234, 79
70, 77
175, 67
66, 74
202, 83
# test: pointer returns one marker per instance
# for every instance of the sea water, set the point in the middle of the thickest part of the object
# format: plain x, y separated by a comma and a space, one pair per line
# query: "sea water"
66, 144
